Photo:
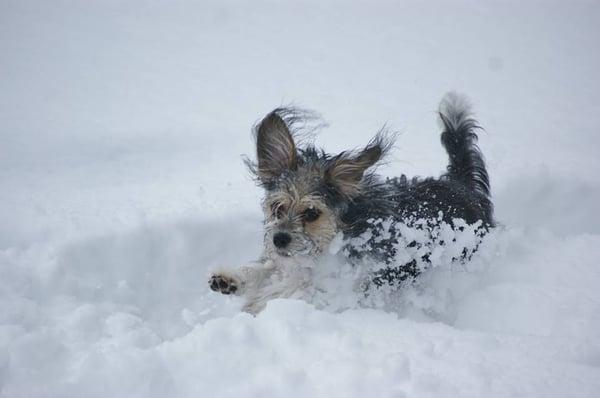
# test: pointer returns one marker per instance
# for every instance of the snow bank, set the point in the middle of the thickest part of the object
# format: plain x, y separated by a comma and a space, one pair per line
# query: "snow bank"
132, 316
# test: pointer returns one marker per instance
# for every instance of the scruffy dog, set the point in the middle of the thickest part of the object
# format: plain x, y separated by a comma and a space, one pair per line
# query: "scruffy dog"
312, 197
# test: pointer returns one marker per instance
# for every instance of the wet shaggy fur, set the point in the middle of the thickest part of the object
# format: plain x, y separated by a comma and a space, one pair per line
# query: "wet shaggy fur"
312, 196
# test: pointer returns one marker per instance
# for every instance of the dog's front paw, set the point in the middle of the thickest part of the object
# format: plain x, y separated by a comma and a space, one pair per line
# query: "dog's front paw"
224, 284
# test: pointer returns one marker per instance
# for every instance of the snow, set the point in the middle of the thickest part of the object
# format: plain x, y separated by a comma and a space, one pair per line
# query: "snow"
122, 126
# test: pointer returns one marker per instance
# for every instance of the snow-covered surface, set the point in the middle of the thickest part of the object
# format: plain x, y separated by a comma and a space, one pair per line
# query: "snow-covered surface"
121, 130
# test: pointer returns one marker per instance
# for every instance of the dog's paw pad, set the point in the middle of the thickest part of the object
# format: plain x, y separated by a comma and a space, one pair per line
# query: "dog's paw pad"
223, 284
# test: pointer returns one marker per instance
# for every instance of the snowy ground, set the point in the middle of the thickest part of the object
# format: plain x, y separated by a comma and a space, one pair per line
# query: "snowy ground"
122, 126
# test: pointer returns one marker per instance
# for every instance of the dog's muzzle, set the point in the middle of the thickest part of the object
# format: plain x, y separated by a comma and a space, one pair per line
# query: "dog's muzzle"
289, 244
281, 240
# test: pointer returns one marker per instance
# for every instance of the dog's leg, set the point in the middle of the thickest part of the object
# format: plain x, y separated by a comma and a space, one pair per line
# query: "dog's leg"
258, 283
239, 281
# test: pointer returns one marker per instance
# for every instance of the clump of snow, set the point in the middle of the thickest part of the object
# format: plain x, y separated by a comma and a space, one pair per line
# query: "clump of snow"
122, 187
344, 278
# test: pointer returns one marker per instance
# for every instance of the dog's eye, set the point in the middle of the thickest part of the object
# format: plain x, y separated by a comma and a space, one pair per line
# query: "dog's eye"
311, 214
277, 209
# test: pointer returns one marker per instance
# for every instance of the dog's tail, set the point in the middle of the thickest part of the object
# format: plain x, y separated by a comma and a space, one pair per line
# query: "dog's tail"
460, 141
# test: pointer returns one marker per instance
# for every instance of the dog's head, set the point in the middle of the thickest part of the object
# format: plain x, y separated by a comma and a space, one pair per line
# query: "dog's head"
307, 190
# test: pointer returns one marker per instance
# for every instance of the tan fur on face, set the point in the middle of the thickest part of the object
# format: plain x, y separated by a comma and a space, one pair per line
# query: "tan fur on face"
323, 230
292, 205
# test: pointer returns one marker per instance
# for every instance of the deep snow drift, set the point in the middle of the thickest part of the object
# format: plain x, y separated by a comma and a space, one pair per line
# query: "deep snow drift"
122, 126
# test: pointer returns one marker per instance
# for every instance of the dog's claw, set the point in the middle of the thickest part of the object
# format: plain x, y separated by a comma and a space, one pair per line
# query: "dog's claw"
222, 284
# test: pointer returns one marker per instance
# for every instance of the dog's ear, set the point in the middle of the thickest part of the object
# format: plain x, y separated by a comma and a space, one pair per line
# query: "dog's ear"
275, 147
346, 170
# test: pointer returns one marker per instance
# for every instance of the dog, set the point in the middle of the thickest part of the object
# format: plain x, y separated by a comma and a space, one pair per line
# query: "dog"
312, 197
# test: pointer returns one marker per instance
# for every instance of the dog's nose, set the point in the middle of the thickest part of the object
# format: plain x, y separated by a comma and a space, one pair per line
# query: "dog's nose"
281, 239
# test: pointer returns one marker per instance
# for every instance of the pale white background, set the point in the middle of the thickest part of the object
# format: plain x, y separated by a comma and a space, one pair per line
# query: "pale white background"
122, 126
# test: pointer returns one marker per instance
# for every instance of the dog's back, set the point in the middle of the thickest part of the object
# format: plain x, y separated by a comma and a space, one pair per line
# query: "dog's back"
462, 193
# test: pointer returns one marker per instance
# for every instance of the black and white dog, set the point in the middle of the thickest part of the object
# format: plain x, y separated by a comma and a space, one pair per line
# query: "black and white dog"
312, 197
